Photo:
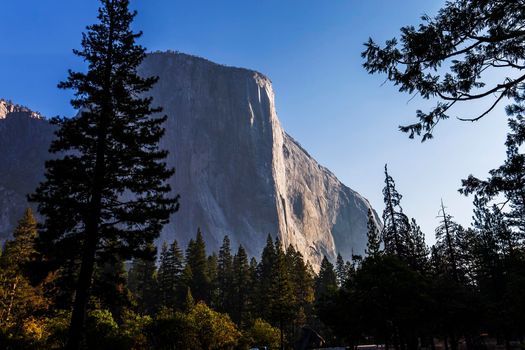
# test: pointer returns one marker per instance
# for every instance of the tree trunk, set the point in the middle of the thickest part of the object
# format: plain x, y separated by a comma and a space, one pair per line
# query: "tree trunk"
89, 249
78, 316
11, 300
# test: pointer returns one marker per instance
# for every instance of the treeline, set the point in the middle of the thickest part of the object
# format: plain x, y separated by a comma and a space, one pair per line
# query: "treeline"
182, 299
466, 290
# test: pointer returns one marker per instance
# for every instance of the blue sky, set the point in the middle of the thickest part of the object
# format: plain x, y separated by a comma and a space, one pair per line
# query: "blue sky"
311, 51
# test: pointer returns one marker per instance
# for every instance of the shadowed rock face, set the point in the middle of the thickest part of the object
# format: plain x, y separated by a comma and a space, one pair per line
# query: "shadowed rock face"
24, 141
237, 171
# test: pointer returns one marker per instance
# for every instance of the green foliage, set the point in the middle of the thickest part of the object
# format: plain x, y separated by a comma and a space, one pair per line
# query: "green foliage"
133, 330
19, 299
264, 277
261, 333
241, 291
170, 275
143, 283
214, 330
326, 282
303, 286
196, 260
102, 330
56, 326
200, 328
225, 277
373, 245
172, 330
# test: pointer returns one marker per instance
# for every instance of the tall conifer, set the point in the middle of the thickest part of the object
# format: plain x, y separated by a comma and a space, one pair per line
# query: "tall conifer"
241, 282
373, 245
197, 262
170, 275
225, 276
396, 224
106, 190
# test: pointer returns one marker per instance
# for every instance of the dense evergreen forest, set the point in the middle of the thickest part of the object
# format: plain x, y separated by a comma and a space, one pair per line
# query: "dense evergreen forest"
88, 276
464, 291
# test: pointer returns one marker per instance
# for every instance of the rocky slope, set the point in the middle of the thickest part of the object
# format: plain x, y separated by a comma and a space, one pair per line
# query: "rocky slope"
238, 172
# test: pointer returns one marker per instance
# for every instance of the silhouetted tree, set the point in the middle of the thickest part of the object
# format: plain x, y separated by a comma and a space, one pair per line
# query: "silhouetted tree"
419, 252
197, 263
241, 288
451, 56
264, 279
373, 245
326, 281
225, 277
108, 150
170, 277
396, 226
447, 243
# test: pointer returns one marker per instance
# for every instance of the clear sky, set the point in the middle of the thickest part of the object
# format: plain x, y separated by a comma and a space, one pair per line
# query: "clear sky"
311, 51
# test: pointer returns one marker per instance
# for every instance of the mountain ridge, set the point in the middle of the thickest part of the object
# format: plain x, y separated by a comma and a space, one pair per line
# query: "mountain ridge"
238, 172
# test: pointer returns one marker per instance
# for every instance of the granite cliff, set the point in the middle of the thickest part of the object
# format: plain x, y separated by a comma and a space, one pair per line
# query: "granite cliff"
237, 171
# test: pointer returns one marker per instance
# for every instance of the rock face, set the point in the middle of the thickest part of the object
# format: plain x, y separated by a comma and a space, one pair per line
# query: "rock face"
24, 141
237, 171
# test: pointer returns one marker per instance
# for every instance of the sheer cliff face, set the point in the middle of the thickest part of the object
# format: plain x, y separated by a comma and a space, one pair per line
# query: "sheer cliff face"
237, 171
24, 141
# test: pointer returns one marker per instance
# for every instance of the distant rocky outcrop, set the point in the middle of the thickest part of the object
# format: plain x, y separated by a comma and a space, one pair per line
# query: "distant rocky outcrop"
24, 141
8, 107
238, 172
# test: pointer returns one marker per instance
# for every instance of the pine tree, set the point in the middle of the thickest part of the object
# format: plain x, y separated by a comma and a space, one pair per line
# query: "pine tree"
164, 278
240, 287
488, 225
340, 270
283, 304
225, 277
302, 277
197, 262
508, 180
110, 286
253, 290
212, 270
419, 252
264, 278
109, 149
189, 302
18, 298
373, 246
326, 281
142, 281
396, 224
447, 243
170, 275
22, 248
